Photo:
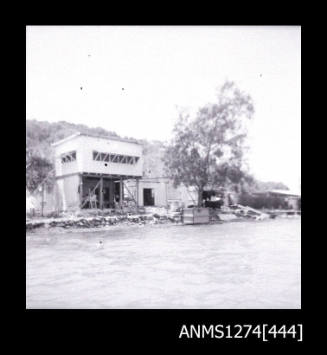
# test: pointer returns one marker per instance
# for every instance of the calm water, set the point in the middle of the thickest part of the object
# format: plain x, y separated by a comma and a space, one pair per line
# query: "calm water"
232, 265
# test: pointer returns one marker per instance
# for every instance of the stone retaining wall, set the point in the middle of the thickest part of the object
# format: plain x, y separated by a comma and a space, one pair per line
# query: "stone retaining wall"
98, 221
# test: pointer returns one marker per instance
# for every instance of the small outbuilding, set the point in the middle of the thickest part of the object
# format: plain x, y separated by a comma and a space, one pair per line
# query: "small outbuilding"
289, 198
159, 191
292, 198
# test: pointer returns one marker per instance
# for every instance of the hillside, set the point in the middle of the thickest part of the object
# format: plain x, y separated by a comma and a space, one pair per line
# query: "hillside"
40, 135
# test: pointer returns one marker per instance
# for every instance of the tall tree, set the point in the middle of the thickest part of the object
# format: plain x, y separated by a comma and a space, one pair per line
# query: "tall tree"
207, 151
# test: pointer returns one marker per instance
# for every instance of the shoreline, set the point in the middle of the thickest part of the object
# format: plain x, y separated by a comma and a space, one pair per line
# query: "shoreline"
106, 220
127, 225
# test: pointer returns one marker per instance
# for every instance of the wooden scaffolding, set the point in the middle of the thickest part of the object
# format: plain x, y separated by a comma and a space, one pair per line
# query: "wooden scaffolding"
89, 197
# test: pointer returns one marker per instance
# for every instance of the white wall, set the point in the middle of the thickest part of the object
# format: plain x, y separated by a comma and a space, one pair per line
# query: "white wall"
85, 145
90, 144
67, 189
187, 195
61, 192
164, 191
69, 167
159, 190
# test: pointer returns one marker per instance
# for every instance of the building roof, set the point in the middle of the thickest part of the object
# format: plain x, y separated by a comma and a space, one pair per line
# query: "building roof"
285, 192
94, 136
279, 192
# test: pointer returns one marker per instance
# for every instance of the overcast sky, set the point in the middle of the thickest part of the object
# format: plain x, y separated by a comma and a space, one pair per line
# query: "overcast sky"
135, 79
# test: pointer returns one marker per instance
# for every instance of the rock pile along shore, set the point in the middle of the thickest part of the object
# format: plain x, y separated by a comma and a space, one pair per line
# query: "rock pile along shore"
99, 221
153, 216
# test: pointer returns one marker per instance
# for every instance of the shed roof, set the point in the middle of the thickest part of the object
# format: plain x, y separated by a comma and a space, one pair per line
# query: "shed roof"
94, 136
278, 192
284, 192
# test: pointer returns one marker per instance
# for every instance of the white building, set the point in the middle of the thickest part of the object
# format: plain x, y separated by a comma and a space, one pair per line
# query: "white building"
90, 169
101, 172
159, 191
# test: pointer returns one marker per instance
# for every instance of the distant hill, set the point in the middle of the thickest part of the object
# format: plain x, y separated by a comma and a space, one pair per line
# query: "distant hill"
40, 134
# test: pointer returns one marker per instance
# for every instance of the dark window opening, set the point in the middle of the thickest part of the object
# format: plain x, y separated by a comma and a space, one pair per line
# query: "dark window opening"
148, 197
68, 157
114, 158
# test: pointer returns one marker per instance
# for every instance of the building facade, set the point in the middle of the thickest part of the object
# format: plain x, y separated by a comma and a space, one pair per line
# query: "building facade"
90, 170
101, 172
159, 191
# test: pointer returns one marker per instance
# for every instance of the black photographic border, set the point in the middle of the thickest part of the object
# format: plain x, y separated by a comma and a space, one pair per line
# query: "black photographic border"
152, 326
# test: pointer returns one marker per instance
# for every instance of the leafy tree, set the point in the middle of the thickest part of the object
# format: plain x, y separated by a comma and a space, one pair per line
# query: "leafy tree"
208, 150
37, 170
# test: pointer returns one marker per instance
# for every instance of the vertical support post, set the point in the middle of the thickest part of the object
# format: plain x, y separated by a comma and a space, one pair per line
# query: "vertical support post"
120, 192
111, 193
42, 202
80, 190
101, 192
137, 193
